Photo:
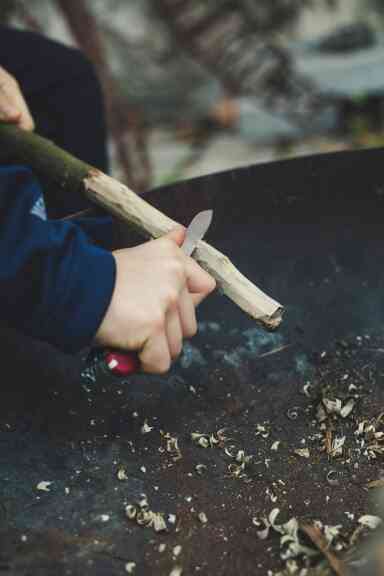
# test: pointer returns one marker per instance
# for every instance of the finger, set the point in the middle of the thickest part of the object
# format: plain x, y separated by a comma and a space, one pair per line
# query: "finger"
198, 280
155, 357
15, 107
187, 314
8, 111
26, 121
174, 333
177, 235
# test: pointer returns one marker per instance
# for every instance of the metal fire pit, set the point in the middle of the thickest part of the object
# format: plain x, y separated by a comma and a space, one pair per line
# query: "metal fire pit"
309, 232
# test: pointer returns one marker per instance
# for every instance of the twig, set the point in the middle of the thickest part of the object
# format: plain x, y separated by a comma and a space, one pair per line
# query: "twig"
274, 351
315, 535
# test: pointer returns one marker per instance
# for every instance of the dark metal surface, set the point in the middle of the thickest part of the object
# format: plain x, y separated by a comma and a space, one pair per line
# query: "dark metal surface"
308, 231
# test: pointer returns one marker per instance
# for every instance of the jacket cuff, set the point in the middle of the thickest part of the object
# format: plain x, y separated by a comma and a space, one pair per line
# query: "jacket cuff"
88, 296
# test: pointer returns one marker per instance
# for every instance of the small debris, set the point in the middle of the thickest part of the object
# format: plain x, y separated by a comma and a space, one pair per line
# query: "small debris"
44, 486
143, 516
208, 440
172, 446
241, 461
371, 522
275, 445
347, 408
271, 495
130, 567
176, 571
332, 406
337, 446
289, 532
333, 477
162, 547
104, 517
293, 413
145, 429
262, 430
200, 468
306, 389
159, 524
177, 551
321, 414
121, 474
336, 407
131, 511
303, 452
203, 517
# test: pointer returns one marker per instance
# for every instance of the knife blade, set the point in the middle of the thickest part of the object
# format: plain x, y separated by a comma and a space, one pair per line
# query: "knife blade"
196, 231
122, 364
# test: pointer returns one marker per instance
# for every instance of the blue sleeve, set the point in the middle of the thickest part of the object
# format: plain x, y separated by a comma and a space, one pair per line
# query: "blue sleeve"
98, 229
55, 285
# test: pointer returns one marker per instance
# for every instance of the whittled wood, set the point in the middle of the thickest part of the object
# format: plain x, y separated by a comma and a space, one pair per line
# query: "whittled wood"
65, 173
121, 201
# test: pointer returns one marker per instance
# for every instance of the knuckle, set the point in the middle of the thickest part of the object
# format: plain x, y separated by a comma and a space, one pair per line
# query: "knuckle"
193, 327
176, 268
172, 298
158, 365
164, 366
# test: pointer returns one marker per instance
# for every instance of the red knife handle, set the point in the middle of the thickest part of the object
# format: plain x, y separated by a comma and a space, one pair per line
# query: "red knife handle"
121, 363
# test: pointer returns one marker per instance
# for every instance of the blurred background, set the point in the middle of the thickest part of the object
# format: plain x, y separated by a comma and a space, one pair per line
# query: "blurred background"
197, 86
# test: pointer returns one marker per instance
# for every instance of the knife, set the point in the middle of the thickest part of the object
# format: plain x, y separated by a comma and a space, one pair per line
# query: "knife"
123, 364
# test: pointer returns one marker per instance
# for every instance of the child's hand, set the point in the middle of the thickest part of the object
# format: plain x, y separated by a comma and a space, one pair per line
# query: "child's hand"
153, 304
13, 108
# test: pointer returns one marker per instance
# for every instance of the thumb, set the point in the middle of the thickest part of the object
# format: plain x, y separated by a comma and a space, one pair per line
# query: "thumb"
8, 112
177, 235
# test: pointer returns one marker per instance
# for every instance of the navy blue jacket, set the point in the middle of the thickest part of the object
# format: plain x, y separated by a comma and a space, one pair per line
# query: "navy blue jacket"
55, 283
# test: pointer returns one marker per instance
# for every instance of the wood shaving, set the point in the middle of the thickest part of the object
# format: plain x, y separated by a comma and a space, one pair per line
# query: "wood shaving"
44, 486
172, 446
369, 521
200, 468
121, 474
376, 483
203, 517
143, 516
177, 551
145, 429
303, 452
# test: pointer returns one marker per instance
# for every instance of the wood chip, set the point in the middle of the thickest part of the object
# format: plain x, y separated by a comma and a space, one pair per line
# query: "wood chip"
316, 536
376, 484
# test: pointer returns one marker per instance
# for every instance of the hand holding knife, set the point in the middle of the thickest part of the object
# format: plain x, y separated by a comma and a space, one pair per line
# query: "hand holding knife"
121, 363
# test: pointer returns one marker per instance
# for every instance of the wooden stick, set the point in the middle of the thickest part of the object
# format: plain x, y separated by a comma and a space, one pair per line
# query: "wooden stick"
56, 167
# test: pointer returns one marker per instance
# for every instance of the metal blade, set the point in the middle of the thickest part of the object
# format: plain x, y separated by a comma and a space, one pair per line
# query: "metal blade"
196, 231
